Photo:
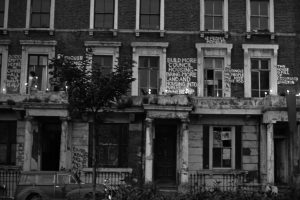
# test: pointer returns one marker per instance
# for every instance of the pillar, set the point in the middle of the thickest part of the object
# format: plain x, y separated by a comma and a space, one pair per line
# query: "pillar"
184, 143
149, 151
28, 143
270, 154
63, 160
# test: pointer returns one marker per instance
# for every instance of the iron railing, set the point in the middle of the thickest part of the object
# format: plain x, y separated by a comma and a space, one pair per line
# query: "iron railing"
9, 177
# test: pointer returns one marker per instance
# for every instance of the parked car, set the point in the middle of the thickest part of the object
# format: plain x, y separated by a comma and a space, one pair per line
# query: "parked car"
37, 185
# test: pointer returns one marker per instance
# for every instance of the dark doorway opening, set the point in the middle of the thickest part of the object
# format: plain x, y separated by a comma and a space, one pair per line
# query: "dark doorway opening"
165, 154
50, 145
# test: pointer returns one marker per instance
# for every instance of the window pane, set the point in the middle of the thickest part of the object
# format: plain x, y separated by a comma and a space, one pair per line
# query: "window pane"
145, 6
264, 8
208, 23
218, 63
33, 60
2, 5
46, 5
209, 7
143, 61
36, 5
210, 74
109, 21
153, 78
3, 153
109, 6
255, 23
254, 64
45, 20
143, 78
154, 62
1, 19
154, 22
45, 179
43, 60
264, 23
99, 6
107, 61
99, 19
208, 63
254, 80
154, 7
254, 8
217, 153
264, 80
145, 21
255, 93
264, 64
218, 23
35, 20
218, 75
218, 7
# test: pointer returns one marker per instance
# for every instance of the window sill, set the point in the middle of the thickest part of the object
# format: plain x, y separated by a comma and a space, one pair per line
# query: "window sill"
114, 31
260, 33
161, 32
222, 171
219, 33
51, 31
128, 170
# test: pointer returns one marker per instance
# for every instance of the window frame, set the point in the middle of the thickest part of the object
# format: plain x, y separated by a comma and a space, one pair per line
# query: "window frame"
28, 17
233, 132
5, 15
4, 63
105, 12
225, 17
260, 51
270, 20
92, 16
149, 49
214, 70
149, 15
103, 67
35, 47
10, 139
259, 70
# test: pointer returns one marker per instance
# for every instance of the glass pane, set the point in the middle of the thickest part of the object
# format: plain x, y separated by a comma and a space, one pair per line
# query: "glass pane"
145, 21
2, 5
3, 153
109, 6
264, 23
99, 6
45, 179
143, 62
254, 8
255, 93
107, 60
208, 7
36, 5
39, 73
45, 20
145, 6
226, 163
154, 22
254, 64
264, 80
218, 63
210, 90
46, 5
154, 7
154, 62
208, 63
99, 19
35, 20
217, 153
33, 60
43, 60
218, 75
1, 19
226, 143
113, 155
264, 8
208, 23
210, 74
264, 64
218, 7
218, 23
153, 78
109, 21
255, 23
143, 78
220, 83
254, 80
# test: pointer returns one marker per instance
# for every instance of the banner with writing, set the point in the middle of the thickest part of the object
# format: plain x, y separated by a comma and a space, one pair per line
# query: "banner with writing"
181, 76
283, 76
13, 74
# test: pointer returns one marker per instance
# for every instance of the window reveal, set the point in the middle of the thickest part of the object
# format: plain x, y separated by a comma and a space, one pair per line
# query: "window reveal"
148, 75
260, 76
37, 72
40, 13
104, 14
213, 15
104, 63
213, 77
150, 14
260, 15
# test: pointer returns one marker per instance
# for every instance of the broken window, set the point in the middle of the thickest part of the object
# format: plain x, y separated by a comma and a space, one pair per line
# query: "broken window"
213, 77
222, 147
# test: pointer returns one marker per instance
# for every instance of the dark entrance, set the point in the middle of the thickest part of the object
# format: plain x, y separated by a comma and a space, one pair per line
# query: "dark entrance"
50, 145
165, 154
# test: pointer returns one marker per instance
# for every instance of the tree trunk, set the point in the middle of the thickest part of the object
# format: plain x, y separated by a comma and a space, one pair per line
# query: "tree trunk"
94, 164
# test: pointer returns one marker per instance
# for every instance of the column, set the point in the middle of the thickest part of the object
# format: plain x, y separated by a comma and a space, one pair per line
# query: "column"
28, 143
149, 151
270, 154
63, 160
184, 146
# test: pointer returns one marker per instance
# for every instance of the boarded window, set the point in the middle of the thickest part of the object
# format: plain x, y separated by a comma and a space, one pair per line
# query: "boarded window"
104, 14
8, 142
260, 15
40, 13
148, 75
111, 145
214, 14
150, 14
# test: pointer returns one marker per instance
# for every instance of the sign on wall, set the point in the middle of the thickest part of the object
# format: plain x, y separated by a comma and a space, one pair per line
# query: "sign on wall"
283, 76
13, 74
181, 76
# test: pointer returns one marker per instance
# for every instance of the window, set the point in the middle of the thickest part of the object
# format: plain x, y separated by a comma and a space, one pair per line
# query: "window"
148, 75
65, 179
104, 14
259, 15
37, 72
104, 63
2, 11
3, 66
260, 73
150, 14
213, 15
8, 142
111, 145
40, 13
213, 77
4, 14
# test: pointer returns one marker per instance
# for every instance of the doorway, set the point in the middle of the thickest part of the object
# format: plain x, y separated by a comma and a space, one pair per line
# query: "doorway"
50, 145
165, 154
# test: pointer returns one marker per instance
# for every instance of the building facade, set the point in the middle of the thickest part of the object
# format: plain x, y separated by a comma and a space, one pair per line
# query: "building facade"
211, 78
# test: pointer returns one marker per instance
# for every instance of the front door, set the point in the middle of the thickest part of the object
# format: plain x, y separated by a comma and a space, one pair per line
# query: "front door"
165, 153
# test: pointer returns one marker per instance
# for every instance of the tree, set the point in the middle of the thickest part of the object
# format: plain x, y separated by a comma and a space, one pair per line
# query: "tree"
89, 89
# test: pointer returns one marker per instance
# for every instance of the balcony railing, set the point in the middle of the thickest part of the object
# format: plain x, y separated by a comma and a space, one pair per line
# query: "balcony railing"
9, 177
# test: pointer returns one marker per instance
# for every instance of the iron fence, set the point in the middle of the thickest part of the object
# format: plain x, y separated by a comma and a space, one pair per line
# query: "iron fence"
9, 177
